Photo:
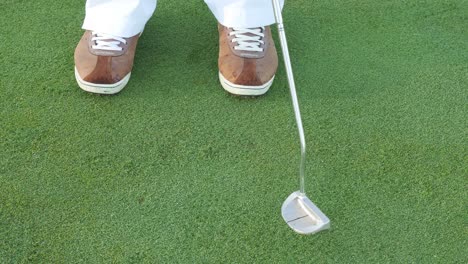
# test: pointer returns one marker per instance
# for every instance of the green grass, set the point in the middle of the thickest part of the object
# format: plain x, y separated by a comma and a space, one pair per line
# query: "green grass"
175, 170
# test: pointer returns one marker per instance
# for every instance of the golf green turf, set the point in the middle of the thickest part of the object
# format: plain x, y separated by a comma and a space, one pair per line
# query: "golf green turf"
173, 169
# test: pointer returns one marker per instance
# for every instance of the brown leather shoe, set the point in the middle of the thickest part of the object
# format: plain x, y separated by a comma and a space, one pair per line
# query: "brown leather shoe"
103, 63
247, 60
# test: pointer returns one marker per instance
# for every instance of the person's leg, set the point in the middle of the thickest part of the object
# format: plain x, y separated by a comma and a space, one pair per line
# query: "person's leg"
104, 56
123, 18
243, 13
247, 55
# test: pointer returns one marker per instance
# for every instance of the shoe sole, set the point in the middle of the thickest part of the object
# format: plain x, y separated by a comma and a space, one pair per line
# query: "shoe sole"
237, 89
102, 88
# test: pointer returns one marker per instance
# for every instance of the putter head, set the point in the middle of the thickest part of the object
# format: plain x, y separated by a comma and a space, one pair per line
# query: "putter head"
302, 215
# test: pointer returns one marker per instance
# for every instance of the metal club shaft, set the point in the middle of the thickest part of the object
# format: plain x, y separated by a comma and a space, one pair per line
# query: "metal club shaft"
292, 88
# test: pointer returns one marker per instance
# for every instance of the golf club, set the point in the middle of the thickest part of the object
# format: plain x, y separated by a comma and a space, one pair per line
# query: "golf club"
299, 212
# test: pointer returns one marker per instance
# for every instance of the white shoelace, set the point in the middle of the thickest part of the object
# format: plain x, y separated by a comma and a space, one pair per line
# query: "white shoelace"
249, 39
107, 42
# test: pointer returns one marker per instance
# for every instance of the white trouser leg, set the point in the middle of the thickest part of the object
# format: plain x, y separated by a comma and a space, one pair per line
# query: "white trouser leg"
243, 13
123, 18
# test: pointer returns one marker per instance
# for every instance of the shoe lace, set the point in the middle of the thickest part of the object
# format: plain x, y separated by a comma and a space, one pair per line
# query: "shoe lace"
248, 39
107, 42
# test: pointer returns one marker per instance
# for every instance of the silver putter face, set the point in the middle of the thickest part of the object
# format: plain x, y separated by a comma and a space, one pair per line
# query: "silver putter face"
302, 215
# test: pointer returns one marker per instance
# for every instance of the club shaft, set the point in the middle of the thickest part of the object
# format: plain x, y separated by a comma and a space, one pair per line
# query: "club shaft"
292, 88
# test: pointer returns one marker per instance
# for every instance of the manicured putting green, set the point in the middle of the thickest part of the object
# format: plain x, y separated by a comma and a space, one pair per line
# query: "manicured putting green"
175, 170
